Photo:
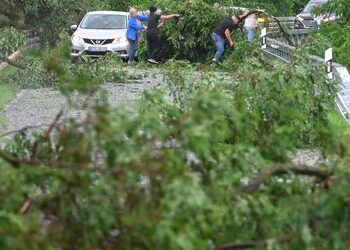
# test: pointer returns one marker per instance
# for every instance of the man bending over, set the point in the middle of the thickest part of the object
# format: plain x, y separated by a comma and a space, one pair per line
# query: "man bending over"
223, 32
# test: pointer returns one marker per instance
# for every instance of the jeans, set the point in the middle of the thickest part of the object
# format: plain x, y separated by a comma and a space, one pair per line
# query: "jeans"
153, 43
219, 44
314, 25
132, 51
250, 34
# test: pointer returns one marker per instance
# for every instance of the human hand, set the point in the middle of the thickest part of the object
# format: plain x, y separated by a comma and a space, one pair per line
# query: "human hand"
232, 44
260, 10
176, 15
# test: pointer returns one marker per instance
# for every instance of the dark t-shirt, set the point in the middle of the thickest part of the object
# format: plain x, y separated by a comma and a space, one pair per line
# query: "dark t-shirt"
226, 24
152, 24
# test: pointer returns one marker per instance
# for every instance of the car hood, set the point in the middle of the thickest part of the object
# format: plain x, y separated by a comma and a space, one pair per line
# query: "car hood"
306, 16
100, 33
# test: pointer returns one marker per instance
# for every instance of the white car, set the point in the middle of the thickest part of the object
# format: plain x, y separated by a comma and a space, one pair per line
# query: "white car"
306, 18
100, 32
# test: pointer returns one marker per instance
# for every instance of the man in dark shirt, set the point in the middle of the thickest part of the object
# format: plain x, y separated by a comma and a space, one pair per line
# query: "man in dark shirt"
221, 32
152, 33
224, 29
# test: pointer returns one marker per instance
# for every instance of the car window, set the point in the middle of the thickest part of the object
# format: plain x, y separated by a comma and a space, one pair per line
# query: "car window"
104, 21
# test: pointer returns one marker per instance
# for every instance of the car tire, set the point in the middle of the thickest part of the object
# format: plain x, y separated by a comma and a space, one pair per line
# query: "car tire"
73, 59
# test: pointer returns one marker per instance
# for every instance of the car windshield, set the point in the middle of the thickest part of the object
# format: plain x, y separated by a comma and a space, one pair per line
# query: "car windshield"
309, 8
104, 21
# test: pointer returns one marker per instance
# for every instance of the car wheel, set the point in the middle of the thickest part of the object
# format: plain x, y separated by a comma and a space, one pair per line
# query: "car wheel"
74, 59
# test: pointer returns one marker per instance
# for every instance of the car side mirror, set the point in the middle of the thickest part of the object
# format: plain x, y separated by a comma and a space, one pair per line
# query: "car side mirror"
74, 27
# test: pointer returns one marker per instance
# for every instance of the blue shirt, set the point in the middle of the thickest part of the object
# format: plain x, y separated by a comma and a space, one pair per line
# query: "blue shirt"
134, 26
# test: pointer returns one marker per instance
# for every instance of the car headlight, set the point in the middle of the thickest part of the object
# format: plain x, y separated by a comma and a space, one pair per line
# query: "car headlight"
77, 39
122, 39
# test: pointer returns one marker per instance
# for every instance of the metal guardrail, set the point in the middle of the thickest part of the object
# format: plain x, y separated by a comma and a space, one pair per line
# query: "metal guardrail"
279, 50
275, 45
296, 36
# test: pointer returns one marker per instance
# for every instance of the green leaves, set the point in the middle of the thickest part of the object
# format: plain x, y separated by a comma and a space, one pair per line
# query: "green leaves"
10, 41
188, 37
170, 175
339, 7
334, 34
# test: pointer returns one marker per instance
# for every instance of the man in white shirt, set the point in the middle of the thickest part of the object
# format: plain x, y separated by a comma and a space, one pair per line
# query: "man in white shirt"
250, 25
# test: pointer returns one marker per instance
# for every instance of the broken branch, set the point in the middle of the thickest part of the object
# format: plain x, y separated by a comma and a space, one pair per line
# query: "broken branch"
269, 172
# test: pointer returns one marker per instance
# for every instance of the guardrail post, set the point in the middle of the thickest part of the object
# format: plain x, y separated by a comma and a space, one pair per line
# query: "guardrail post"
328, 59
263, 38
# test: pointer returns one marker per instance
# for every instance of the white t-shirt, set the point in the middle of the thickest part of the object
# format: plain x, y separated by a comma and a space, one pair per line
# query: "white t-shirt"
250, 22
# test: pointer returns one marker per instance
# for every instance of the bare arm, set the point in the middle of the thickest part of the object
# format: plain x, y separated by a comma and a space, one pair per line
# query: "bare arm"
244, 16
256, 11
169, 16
228, 36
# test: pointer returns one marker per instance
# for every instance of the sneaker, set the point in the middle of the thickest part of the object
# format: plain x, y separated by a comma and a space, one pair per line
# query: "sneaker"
214, 60
152, 61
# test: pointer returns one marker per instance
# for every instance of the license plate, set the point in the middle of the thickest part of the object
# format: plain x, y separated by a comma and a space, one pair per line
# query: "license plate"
97, 49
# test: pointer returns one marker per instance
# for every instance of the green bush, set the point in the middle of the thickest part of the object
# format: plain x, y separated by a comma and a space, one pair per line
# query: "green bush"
10, 41
188, 37
171, 176
39, 68
338, 7
335, 35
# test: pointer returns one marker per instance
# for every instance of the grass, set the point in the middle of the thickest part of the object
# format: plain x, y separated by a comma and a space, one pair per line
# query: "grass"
338, 122
7, 91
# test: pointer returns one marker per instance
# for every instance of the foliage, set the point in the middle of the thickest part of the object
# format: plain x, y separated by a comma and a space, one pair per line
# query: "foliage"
335, 35
54, 16
281, 8
33, 76
180, 172
10, 41
173, 176
51, 16
188, 36
235, 57
7, 90
339, 7
278, 8
37, 72
125, 5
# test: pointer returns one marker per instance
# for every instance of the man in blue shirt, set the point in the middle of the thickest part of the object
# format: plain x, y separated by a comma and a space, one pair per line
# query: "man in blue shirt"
133, 28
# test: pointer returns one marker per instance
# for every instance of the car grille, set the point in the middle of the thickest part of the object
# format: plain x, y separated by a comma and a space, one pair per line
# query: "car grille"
98, 41
122, 52
95, 53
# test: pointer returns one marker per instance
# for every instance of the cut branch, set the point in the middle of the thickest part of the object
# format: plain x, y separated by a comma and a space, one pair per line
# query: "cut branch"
285, 33
254, 244
12, 63
269, 172
13, 24
58, 165
46, 137
24, 129
260, 11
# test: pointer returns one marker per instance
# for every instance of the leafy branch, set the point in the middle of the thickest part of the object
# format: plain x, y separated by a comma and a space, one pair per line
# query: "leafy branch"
278, 170
254, 244
12, 63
